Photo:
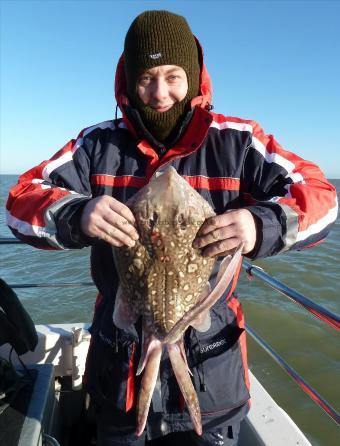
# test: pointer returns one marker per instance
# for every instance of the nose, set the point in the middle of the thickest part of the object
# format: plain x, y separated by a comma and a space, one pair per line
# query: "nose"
160, 90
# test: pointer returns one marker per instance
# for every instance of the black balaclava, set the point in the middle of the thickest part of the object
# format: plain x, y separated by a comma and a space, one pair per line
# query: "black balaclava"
160, 38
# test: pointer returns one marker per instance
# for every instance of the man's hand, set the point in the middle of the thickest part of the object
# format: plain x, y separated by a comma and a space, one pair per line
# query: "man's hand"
106, 218
220, 234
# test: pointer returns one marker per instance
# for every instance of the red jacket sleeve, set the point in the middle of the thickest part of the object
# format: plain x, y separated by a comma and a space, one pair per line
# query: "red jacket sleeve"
35, 202
294, 203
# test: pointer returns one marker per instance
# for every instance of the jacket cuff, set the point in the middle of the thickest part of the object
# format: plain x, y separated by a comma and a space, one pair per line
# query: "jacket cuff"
69, 232
269, 239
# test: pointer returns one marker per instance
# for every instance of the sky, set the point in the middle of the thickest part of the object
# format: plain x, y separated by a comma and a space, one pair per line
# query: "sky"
275, 62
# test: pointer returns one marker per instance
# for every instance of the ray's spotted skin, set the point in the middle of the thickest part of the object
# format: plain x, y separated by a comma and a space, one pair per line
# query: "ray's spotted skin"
165, 280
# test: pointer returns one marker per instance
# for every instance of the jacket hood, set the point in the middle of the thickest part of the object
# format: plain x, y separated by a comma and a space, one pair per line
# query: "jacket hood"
203, 100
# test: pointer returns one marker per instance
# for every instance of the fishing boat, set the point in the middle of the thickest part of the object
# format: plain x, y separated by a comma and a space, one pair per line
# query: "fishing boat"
52, 409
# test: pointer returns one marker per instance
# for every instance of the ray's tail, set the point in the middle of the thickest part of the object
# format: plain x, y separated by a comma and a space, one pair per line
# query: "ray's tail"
185, 384
151, 369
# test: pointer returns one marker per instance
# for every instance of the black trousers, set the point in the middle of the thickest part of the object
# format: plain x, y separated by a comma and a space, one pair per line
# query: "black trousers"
226, 436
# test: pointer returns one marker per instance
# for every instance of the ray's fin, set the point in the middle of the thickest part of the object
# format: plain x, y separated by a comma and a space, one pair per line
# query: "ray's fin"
124, 314
228, 268
149, 343
202, 322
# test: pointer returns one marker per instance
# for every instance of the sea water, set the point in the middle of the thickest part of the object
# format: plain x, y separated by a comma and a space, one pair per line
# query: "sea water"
308, 344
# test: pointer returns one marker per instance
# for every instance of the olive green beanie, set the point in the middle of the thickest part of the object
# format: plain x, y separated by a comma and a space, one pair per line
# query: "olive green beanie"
160, 38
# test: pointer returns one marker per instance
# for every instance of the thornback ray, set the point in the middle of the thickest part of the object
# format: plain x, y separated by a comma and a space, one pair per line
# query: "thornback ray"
163, 280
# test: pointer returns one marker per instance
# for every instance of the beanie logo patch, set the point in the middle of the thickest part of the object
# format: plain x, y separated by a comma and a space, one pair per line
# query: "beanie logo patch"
155, 56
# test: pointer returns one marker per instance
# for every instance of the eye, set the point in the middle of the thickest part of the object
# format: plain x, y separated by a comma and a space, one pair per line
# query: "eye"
144, 80
182, 222
153, 220
174, 78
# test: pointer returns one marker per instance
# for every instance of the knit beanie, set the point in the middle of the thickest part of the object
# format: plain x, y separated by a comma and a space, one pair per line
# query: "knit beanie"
160, 38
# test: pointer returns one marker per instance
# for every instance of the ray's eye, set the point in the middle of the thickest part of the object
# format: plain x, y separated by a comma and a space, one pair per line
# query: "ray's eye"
153, 220
182, 222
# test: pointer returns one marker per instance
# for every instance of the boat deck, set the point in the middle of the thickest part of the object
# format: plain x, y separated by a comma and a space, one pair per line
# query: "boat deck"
57, 404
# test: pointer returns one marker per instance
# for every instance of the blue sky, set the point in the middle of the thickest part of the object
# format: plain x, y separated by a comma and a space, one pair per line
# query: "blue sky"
275, 62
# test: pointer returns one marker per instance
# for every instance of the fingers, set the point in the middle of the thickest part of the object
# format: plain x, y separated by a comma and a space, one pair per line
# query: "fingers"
222, 248
222, 233
110, 220
122, 210
215, 235
108, 237
115, 237
216, 222
117, 222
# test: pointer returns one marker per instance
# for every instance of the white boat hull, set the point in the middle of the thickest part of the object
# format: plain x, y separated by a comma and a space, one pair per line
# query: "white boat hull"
65, 347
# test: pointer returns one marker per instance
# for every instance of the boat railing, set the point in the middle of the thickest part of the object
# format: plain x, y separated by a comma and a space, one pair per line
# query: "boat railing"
312, 307
327, 316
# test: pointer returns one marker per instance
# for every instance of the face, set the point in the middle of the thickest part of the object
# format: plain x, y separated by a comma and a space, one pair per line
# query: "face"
162, 87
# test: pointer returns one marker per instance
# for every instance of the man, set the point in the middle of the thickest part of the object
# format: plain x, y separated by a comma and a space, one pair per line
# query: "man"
270, 199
